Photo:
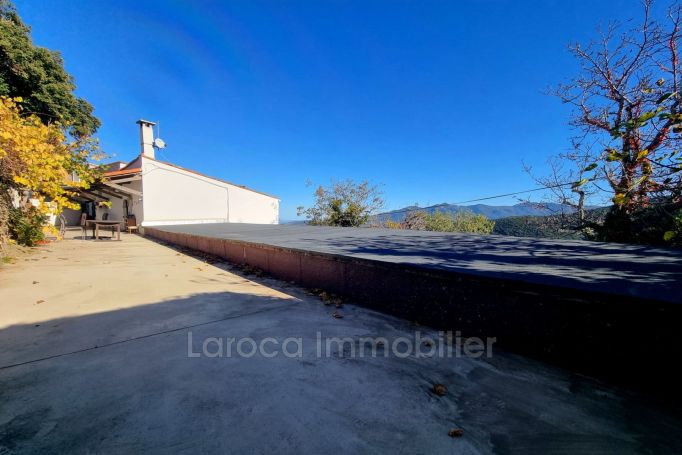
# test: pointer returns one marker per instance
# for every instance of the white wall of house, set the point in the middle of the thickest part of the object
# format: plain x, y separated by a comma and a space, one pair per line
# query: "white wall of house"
116, 211
177, 196
135, 204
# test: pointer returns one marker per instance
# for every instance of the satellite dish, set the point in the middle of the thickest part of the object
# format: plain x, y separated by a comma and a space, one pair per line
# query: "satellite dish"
159, 143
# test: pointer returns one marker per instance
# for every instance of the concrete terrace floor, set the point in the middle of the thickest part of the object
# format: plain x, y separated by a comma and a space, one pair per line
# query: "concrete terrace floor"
654, 273
94, 359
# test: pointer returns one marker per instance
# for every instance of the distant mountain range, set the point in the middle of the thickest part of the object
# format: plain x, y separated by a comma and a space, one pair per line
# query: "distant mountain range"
493, 212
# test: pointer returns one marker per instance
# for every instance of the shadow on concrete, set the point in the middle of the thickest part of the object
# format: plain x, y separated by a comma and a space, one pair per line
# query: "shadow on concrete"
591, 330
605, 267
122, 381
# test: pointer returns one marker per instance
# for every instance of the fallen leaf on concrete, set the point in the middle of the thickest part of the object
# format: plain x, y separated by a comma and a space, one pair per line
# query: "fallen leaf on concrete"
331, 299
439, 389
39, 301
337, 315
456, 432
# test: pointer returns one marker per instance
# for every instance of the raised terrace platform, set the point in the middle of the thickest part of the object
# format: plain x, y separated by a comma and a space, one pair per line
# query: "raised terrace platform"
596, 308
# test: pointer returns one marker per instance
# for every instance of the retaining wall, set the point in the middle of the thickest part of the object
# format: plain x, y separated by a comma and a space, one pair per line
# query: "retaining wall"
631, 340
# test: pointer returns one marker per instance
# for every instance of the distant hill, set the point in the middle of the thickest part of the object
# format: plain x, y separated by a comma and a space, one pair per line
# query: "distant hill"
494, 212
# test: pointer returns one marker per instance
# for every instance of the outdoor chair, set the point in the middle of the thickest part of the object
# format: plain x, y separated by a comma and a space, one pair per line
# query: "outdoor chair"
84, 227
131, 224
80, 227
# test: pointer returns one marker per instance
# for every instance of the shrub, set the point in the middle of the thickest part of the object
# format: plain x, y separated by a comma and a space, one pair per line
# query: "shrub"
461, 221
392, 224
659, 225
439, 222
673, 237
26, 226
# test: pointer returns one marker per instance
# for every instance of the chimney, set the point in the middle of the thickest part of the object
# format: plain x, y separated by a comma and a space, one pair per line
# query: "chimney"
146, 138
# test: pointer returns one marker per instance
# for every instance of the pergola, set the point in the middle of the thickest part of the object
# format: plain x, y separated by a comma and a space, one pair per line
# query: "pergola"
114, 184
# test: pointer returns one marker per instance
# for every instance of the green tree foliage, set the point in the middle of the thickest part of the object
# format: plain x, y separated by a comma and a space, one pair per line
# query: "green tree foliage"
460, 221
38, 76
344, 203
674, 236
439, 222
658, 224
558, 226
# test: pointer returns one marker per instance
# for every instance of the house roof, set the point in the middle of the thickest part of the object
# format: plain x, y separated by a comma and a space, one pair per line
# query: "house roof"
135, 170
114, 165
124, 171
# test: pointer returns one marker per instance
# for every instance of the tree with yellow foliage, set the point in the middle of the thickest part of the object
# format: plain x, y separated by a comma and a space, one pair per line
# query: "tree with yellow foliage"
39, 150
37, 158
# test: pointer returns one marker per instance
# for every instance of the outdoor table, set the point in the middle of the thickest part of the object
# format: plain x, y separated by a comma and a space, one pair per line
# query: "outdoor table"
95, 224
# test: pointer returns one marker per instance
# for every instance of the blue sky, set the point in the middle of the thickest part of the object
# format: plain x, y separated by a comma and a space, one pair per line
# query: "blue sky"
439, 101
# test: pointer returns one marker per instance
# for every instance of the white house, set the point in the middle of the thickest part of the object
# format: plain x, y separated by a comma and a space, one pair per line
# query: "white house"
159, 193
